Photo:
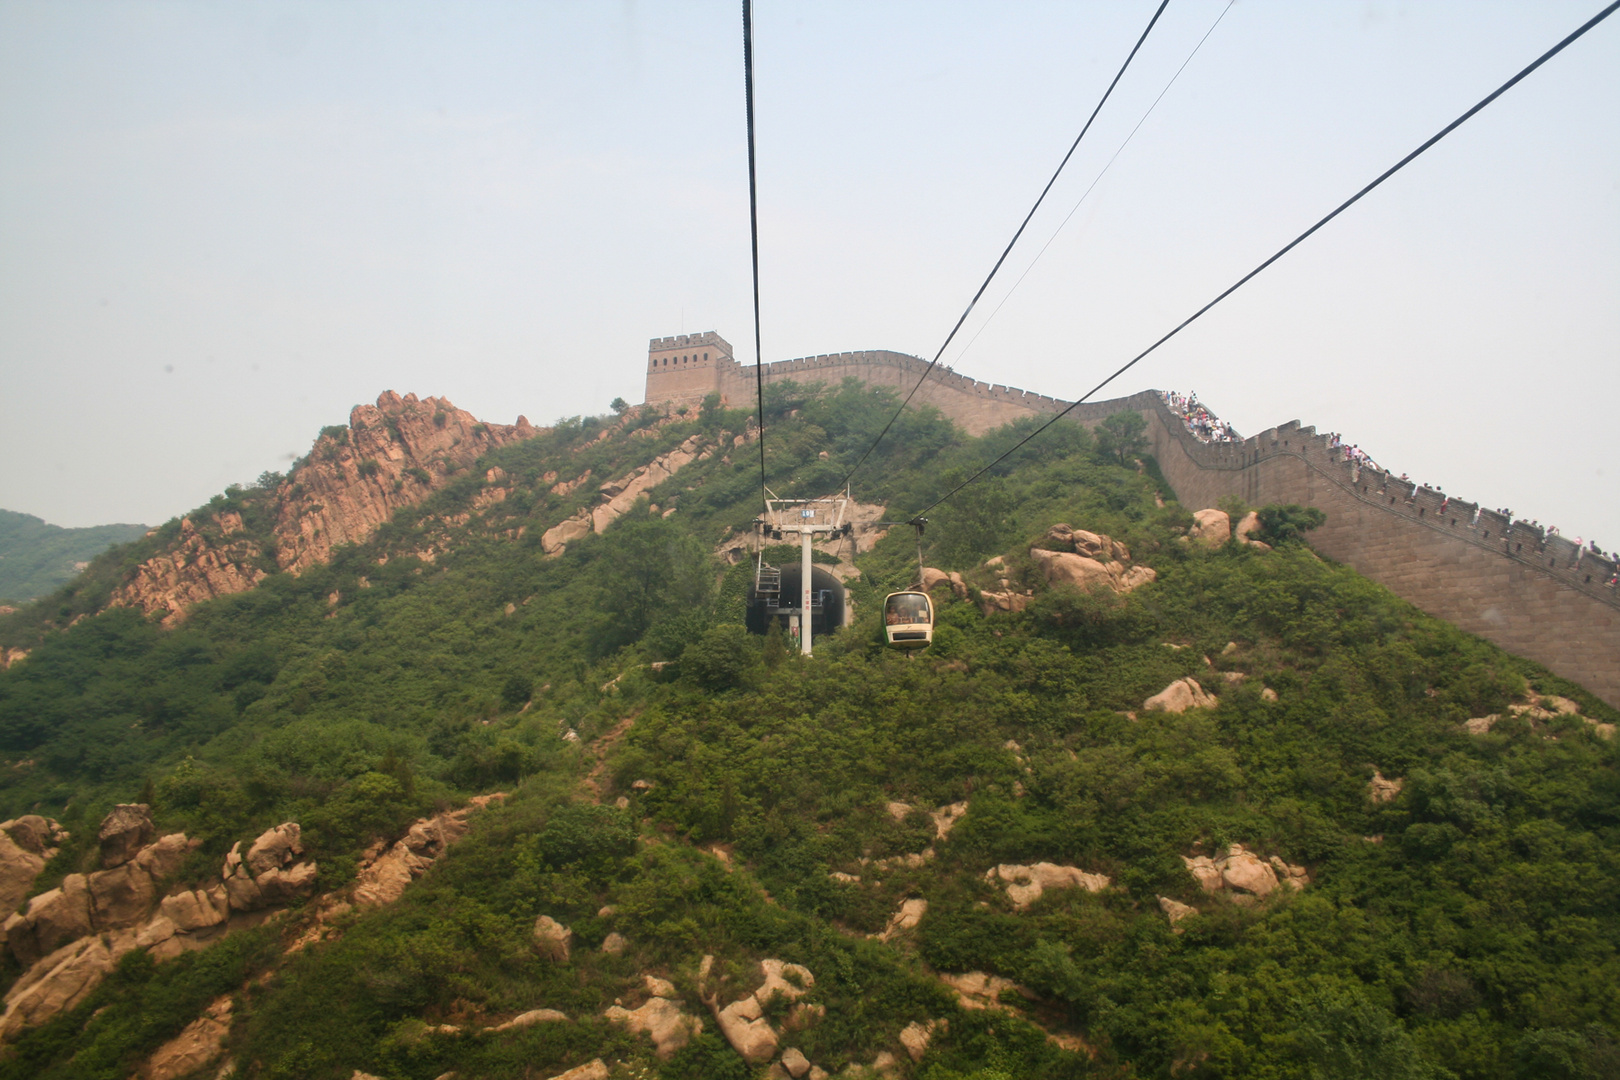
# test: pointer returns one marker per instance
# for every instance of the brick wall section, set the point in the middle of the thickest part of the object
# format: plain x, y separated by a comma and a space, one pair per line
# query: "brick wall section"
1498, 579
1501, 580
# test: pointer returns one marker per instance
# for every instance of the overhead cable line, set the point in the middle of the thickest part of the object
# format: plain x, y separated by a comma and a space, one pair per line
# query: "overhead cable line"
949, 337
1086, 194
1291, 245
753, 232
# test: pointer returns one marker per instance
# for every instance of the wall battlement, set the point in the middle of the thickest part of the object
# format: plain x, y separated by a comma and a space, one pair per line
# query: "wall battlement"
1534, 595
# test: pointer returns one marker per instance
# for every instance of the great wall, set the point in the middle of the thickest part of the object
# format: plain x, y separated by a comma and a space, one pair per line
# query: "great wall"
1535, 595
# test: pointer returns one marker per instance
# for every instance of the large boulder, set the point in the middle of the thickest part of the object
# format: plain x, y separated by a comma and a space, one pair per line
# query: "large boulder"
1211, 528
124, 832
1179, 696
121, 896
1382, 790
1026, 884
1243, 875
19, 867
199, 1043
555, 540
745, 1028
33, 833
553, 939
61, 980
661, 1020
279, 886
52, 920
275, 849
195, 909
1175, 910
1087, 573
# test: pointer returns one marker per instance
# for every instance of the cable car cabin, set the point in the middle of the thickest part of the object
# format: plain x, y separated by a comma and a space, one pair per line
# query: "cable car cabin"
908, 620
774, 597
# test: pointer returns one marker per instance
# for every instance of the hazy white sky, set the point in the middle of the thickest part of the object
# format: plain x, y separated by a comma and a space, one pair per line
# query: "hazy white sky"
224, 224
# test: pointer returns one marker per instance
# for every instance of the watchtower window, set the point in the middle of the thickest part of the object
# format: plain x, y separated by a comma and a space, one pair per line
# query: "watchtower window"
705, 358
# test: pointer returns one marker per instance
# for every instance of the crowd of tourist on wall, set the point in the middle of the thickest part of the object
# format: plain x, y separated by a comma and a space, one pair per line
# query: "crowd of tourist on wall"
1201, 423
1204, 426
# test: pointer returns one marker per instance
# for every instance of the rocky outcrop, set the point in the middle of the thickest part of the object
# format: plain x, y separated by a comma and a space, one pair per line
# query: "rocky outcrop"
26, 845
383, 877
659, 1018
946, 817
1212, 528
933, 578
12, 656
743, 1022
1179, 696
1176, 911
61, 980
199, 1043
71, 936
1243, 875
392, 455
201, 564
907, 917
591, 1070
977, 990
1026, 884
1088, 561
1380, 790
353, 482
553, 939
916, 1036
125, 831
621, 494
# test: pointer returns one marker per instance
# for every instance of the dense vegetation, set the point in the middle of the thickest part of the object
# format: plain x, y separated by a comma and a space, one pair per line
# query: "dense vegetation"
1469, 928
37, 557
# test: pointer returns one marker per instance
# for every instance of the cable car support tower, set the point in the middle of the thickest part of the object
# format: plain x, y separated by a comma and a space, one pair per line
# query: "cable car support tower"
807, 517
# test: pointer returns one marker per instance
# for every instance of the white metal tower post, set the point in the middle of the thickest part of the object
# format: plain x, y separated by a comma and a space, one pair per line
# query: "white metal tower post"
812, 516
806, 534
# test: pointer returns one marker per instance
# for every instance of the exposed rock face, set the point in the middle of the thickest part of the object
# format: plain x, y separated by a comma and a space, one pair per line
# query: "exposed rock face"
932, 578
393, 455
977, 990
915, 1037
198, 567
1179, 696
346, 488
1212, 528
12, 656
383, 880
1026, 884
620, 495
555, 540
19, 867
1176, 911
200, 1042
53, 919
743, 1022
1243, 874
661, 1020
124, 832
1480, 725
614, 944
35, 834
553, 938
591, 1070
61, 980
906, 918
277, 878
946, 817
1380, 790
531, 1018
1089, 561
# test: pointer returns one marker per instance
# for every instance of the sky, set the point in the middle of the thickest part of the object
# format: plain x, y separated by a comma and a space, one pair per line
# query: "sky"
222, 225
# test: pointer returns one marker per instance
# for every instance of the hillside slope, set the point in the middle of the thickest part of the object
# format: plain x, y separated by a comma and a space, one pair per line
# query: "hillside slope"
37, 557
1368, 845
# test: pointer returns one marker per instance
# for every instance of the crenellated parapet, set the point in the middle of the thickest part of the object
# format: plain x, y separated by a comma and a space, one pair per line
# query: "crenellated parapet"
1535, 595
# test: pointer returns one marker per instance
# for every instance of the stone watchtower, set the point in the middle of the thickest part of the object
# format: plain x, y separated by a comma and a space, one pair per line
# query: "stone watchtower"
685, 369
